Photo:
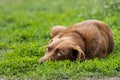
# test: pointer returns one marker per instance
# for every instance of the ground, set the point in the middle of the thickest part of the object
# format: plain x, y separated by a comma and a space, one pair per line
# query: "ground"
24, 34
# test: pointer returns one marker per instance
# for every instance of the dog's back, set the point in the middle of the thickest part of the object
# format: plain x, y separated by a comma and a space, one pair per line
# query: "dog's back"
96, 35
104, 30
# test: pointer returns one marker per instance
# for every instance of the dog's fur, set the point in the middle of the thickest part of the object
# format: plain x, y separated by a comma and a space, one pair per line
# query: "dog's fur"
56, 30
84, 40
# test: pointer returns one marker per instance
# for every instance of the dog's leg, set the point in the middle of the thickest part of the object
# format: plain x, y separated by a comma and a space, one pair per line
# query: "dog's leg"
56, 30
102, 53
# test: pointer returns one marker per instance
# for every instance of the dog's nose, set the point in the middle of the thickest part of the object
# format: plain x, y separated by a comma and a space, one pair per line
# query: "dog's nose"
41, 61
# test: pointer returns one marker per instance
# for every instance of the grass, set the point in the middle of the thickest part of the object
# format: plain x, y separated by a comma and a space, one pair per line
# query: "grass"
24, 33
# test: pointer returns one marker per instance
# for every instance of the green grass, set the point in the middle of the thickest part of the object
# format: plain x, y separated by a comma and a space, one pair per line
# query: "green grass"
24, 33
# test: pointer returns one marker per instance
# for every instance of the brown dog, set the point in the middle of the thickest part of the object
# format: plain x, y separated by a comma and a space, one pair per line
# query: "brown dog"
84, 40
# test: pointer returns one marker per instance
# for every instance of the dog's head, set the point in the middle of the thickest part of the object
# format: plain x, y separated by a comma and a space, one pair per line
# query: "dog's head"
62, 49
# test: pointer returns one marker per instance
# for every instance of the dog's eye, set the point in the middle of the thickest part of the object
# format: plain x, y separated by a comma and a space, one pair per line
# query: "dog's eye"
58, 52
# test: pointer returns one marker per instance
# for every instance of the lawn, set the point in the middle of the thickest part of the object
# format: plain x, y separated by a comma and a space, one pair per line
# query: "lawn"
24, 34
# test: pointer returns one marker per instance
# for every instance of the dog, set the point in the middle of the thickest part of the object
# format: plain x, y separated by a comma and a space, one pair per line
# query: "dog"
81, 41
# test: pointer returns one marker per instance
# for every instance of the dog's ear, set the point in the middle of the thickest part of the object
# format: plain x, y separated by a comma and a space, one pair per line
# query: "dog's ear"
56, 30
78, 53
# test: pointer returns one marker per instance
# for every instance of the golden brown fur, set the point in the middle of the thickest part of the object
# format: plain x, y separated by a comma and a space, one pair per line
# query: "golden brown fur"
84, 40
56, 29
